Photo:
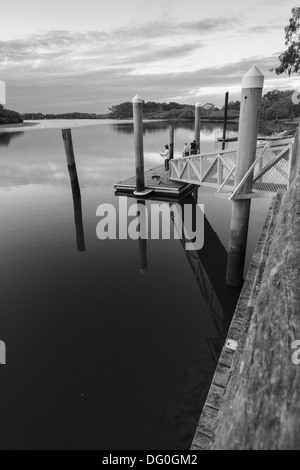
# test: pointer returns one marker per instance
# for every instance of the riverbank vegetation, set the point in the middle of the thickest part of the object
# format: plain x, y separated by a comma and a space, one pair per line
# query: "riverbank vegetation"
41, 116
276, 105
9, 117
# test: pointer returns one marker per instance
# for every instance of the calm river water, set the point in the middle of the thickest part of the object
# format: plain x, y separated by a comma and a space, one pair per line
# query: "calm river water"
99, 355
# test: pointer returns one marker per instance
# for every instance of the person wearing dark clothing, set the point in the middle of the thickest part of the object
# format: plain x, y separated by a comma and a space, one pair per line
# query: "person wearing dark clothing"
194, 148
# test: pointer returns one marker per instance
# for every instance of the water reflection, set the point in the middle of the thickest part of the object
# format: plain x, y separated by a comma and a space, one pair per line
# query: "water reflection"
5, 138
214, 305
154, 126
208, 266
79, 223
209, 269
142, 238
129, 348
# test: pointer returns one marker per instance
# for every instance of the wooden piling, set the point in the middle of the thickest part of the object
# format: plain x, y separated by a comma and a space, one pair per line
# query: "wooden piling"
69, 149
172, 139
225, 120
76, 193
198, 126
139, 142
252, 87
139, 146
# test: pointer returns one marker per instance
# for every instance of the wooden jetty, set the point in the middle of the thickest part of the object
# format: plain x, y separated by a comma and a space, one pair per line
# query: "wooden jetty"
158, 181
254, 400
237, 335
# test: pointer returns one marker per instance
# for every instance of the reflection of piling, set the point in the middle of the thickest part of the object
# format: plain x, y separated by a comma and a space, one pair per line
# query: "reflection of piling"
248, 132
67, 137
79, 224
143, 255
76, 193
143, 238
172, 138
225, 120
198, 125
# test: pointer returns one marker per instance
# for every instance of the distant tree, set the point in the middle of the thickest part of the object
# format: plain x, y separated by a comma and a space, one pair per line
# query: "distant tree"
290, 59
234, 106
277, 104
9, 117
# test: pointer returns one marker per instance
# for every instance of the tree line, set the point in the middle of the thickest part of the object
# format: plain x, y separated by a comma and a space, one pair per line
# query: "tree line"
276, 105
76, 115
9, 117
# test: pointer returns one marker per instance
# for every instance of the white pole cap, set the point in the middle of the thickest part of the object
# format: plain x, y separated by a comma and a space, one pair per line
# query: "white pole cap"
253, 79
2, 92
137, 99
198, 105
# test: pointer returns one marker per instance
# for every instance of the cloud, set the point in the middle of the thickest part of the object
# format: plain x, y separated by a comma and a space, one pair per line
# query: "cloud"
55, 44
63, 71
98, 90
265, 28
210, 25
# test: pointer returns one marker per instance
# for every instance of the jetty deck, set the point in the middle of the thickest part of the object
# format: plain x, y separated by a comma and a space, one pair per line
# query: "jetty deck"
253, 403
159, 181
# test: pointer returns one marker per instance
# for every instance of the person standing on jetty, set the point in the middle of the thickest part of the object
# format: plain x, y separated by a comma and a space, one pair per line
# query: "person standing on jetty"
166, 156
186, 150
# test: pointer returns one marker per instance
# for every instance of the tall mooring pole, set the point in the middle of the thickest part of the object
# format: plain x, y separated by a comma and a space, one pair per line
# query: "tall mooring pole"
252, 87
225, 120
198, 125
172, 139
139, 146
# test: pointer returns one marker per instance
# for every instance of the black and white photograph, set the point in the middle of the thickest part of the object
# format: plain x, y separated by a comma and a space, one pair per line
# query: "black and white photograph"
150, 228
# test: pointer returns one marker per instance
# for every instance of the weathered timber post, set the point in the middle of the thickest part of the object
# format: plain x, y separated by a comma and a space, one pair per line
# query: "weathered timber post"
139, 146
198, 125
69, 149
225, 120
172, 139
76, 193
252, 87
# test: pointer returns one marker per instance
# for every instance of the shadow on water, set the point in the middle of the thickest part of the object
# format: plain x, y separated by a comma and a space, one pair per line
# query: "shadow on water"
6, 137
208, 266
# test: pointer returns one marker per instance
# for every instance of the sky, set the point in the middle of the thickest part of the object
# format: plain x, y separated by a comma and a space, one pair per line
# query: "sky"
65, 56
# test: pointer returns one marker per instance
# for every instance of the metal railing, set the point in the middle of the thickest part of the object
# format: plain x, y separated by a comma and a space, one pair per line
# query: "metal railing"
211, 170
272, 169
